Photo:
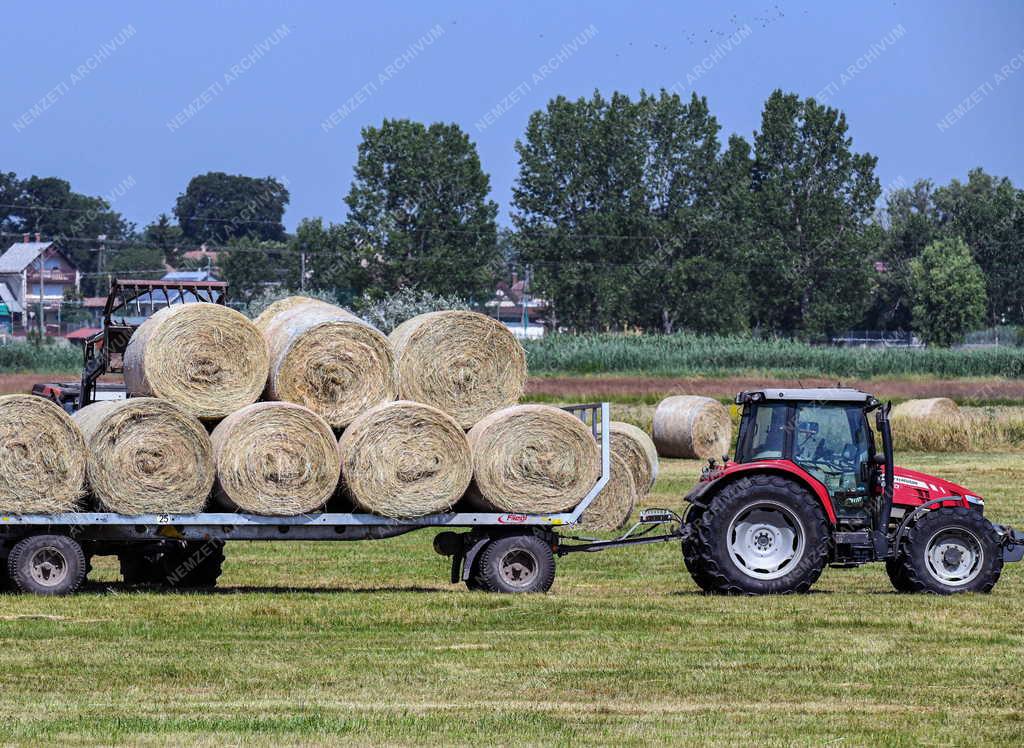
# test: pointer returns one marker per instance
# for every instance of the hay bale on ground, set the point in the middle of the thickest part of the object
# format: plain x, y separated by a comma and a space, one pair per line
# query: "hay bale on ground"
532, 459
146, 456
612, 508
931, 407
276, 459
691, 426
636, 449
264, 318
42, 457
207, 358
328, 360
464, 363
405, 459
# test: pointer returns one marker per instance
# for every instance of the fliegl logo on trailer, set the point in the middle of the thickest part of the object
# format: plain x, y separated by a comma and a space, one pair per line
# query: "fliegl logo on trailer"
510, 519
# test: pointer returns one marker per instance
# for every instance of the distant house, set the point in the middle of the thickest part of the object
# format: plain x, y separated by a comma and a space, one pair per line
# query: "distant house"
523, 314
28, 270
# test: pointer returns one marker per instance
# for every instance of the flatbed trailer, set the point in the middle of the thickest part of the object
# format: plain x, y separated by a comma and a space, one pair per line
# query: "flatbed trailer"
499, 552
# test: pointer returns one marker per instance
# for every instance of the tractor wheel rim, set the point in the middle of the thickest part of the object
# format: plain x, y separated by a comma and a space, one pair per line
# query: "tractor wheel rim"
518, 567
48, 567
766, 540
954, 556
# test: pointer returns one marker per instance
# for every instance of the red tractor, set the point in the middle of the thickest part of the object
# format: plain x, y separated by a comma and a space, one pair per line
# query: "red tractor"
809, 486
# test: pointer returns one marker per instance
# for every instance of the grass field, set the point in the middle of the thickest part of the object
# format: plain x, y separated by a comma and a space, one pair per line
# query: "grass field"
307, 643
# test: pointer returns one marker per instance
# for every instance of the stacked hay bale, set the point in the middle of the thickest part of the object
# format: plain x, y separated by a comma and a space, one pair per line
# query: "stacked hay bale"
405, 459
146, 456
633, 470
275, 459
691, 426
532, 459
463, 363
206, 358
42, 457
326, 359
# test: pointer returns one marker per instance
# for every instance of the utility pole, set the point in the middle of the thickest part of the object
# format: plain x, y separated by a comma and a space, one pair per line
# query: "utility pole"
302, 271
42, 327
526, 287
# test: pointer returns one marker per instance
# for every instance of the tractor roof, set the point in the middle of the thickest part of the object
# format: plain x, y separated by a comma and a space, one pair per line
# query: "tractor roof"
807, 394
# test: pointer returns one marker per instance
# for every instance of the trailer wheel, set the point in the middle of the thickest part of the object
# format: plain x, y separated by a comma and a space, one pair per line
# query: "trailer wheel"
47, 565
894, 568
949, 550
198, 565
760, 535
516, 563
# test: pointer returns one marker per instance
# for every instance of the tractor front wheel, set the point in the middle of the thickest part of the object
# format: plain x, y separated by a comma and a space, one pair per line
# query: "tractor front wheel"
762, 534
948, 550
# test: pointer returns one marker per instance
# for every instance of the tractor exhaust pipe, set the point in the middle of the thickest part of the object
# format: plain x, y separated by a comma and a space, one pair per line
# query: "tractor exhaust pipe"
882, 549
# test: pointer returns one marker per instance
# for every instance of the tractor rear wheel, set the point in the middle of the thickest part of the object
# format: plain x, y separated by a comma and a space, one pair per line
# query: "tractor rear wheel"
949, 550
761, 534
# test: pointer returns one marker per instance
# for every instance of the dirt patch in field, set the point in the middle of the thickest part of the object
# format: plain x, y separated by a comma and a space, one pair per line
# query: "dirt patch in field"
575, 388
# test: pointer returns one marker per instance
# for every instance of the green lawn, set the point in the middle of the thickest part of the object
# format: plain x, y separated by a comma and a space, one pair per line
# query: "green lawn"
308, 643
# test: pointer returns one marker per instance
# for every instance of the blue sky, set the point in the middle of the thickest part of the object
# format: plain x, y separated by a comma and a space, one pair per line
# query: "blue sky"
148, 95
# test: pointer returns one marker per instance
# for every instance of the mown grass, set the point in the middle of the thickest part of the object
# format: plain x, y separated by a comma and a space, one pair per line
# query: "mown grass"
687, 354
308, 643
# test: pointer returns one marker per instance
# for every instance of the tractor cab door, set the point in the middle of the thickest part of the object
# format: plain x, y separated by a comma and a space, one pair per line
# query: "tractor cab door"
833, 442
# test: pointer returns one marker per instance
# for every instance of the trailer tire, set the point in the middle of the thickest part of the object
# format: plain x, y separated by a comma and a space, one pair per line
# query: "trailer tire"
196, 566
516, 563
47, 565
756, 523
141, 568
950, 550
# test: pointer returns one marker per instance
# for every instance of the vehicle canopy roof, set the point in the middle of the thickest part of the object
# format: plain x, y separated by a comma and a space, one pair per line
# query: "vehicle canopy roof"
808, 394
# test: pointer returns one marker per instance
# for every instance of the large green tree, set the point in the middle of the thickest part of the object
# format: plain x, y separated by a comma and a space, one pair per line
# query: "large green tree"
812, 268
949, 292
217, 207
620, 207
987, 212
419, 213
166, 238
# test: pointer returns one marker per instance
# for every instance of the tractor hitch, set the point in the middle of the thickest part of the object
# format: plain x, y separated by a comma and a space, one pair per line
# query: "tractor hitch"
1013, 544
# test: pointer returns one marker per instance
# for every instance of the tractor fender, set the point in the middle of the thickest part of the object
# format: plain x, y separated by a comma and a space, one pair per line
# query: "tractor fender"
703, 493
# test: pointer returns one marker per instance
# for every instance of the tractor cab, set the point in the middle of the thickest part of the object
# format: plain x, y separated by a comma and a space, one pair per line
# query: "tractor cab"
826, 433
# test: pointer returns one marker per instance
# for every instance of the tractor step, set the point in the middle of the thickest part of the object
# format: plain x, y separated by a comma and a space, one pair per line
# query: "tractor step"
852, 549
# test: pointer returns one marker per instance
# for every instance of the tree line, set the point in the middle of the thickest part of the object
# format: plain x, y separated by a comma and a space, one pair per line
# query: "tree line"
629, 212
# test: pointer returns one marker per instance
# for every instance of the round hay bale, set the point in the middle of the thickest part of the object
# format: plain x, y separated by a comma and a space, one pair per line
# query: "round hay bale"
636, 449
146, 456
464, 363
405, 459
612, 508
207, 358
264, 318
328, 360
926, 408
532, 459
690, 426
276, 459
42, 457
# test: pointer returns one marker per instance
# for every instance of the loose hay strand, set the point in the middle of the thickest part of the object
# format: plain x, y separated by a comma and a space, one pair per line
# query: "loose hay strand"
532, 459
405, 459
328, 360
691, 426
275, 459
635, 448
464, 363
207, 358
42, 457
146, 456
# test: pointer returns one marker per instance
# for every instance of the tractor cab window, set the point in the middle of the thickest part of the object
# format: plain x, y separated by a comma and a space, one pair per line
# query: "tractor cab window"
765, 432
831, 443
